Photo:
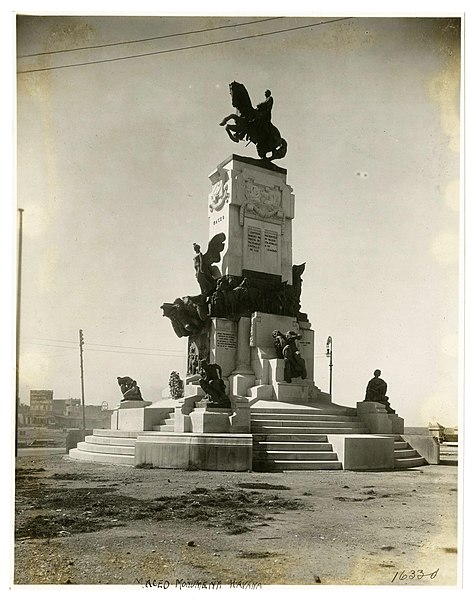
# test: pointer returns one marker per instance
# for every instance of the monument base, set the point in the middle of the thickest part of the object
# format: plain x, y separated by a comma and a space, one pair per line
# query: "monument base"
135, 415
206, 419
204, 451
359, 452
377, 419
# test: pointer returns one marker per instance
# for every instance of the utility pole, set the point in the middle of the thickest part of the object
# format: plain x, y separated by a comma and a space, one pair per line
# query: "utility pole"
81, 344
18, 321
330, 356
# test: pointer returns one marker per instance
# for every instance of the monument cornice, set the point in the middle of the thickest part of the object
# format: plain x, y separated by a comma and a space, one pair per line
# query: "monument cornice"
263, 164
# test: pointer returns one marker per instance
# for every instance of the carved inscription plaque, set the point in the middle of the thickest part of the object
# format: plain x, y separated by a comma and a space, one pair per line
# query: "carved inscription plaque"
254, 239
225, 339
270, 241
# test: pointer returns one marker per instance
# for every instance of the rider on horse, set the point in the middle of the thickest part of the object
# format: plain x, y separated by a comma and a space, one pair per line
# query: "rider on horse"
264, 110
254, 124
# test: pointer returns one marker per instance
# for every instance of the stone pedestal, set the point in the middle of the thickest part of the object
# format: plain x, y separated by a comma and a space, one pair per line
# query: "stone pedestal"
134, 404
252, 204
241, 417
205, 419
298, 390
377, 420
224, 344
136, 415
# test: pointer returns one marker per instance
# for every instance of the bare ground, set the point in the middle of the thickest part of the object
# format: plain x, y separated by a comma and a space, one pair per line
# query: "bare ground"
84, 523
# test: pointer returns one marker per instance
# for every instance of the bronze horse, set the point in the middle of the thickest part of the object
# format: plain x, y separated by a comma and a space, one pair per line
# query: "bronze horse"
249, 126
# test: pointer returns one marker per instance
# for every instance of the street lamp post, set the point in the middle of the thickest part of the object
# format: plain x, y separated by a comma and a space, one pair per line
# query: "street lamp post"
330, 356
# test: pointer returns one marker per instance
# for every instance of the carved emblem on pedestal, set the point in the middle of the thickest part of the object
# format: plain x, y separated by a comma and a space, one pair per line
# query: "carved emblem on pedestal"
220, 191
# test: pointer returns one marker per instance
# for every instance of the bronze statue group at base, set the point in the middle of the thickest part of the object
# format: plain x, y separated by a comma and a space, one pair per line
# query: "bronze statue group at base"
230, 296
211, 382
286, 348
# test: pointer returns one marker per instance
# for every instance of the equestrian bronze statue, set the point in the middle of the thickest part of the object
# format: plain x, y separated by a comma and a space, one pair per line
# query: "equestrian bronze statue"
254, 124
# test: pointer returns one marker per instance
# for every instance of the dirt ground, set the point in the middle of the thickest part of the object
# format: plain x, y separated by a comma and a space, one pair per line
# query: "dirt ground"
84, 523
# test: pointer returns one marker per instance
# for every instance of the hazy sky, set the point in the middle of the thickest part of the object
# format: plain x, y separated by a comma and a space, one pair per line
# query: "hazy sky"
113, 164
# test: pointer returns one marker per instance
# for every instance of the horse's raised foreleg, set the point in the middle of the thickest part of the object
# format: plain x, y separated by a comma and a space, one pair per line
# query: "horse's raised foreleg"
228, 118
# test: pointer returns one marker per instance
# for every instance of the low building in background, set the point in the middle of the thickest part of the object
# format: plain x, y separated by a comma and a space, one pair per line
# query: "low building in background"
41, 407
61, 413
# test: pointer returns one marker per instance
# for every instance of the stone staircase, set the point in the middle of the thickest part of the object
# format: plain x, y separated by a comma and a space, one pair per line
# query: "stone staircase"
287, 438
166, 424
295, 438
108, 446
115, 446
405, 457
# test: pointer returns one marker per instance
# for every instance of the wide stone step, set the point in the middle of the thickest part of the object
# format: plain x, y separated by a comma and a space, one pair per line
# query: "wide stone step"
330, 428
295, 418
106, 448
407, 463
302, 411
117, 459
405, 453
115, 433
289, 437
109, 441
317, 416
292, 446
401, 445
296, 465
276, 455
165, 425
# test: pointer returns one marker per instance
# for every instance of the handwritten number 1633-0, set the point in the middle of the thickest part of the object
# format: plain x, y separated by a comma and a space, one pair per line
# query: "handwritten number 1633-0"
419, 574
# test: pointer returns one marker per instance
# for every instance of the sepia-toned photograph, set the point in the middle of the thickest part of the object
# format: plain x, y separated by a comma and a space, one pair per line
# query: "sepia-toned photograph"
238, 302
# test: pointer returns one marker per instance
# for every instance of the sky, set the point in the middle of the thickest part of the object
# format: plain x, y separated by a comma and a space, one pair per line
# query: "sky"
112, 174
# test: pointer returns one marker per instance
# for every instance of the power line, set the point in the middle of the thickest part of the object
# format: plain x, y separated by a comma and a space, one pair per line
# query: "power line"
171, 353
54, 345
238, 39
52, 340
158, 37
128, 347
91, 344
141, 351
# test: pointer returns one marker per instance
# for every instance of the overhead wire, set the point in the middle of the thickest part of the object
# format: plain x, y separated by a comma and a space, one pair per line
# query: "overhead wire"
150, 39
143, 351
170, 353
191, 47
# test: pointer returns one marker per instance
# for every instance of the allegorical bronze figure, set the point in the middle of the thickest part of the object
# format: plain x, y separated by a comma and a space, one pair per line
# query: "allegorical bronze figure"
376, 391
